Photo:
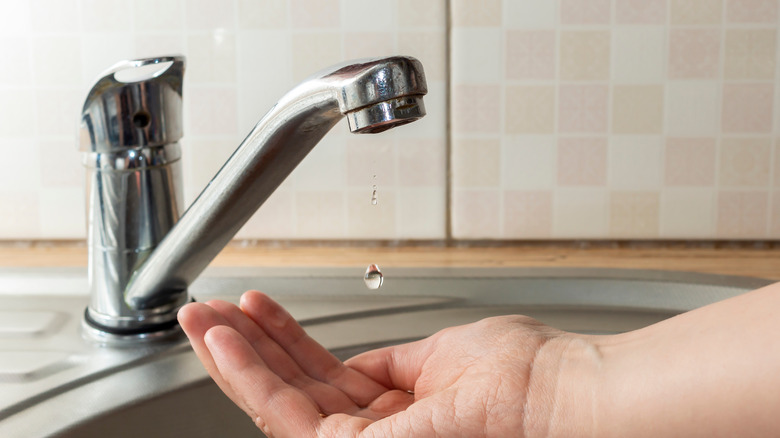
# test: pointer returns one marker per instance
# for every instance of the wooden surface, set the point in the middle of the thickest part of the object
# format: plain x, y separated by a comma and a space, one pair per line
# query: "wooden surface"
748, 261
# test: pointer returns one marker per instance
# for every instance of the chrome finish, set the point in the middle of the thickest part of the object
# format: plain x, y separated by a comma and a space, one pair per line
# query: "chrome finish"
140, 263
130, 127
267, 156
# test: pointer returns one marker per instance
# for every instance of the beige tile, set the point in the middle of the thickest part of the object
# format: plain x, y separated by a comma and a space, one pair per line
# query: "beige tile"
774, 225
325, 166
776, 169
640, 11
468, 13
747, 107
362, 16
19, 214
751, 11
211, 57
750, 53
742, 214
635, 162
583, 108
694, 53
530, 109
582, 161
368, 45
637, 109
314, 52
476, 55
320, 215
584, 55
530, 14
696, 11
528, 162
692, 108
634, 214
530, 54
476, 108
307, 14
262, 14
476, 163
689, 162
371, 221
369, 163
421, 213
580, 213
476, 214
527, 214
688, 213
274, 220
421, 162
202, 161
429, 48
745, 162
414, 13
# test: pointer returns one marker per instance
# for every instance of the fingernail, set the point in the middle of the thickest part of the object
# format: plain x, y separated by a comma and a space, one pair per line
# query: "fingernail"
280, 317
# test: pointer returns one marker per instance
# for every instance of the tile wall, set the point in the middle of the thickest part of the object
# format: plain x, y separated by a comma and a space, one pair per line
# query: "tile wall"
614, 119
608, 119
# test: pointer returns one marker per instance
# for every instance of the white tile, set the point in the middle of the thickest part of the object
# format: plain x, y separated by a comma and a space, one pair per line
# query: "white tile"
528, 162
688, 213
62, 213
57, 61
211, 111
15, 17
692, 108
262, 14
211, 57
19, 214
421, 213
209, 15
103, 50
476, 55
255, 49
361, 15
580, 213
530, 14
639, 54
17, 113
165, 15
635, 162
54, 15
24, 174
15, 70
106, 15
58, 111
150, 45
59, 163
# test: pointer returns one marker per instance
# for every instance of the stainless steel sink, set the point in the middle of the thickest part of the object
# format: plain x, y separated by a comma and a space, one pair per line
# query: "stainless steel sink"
54, 383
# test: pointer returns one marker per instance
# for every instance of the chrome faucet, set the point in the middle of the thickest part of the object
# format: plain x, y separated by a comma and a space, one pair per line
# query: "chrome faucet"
142, 257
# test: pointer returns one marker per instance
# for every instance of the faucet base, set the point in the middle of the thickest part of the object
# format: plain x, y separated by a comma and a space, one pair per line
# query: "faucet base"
117, 336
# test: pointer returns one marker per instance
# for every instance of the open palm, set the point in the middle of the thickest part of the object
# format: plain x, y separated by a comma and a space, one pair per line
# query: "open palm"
471, 380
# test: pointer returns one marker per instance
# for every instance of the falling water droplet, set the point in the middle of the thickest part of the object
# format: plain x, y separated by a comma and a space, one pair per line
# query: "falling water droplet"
373, 277
373, 196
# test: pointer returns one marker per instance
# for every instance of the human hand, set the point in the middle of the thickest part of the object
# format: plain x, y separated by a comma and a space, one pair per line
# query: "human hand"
474, 380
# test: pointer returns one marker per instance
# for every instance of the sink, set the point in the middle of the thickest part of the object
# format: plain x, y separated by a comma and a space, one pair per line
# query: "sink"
54, 383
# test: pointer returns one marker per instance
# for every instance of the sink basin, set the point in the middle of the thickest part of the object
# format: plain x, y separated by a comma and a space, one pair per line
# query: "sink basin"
54, 383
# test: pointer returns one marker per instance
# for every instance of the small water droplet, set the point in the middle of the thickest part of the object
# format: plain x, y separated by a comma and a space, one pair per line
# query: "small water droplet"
373, 277
374, 196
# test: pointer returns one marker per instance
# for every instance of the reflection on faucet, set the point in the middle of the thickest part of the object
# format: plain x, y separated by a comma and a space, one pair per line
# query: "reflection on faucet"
140, 264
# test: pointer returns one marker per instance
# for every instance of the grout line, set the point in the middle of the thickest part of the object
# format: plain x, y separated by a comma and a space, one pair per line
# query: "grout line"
448, 216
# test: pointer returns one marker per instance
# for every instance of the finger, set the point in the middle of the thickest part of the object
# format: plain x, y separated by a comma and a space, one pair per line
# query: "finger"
396, 367
196, 319
313, 358
276, 407
329, 398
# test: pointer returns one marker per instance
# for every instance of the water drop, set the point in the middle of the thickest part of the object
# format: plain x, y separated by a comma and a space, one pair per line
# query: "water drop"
374, 196
373, 277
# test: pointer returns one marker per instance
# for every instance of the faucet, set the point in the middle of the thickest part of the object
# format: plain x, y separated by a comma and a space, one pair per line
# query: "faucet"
142, 255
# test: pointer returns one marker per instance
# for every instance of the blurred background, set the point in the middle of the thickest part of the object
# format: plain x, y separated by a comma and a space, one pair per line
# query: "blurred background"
554, 119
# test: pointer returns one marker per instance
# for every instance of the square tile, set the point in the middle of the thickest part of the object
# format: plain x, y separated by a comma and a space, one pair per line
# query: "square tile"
476, 108
582, 108
15, 16
750, 54
209, 15
530, 54
53, 16
637, 109
687, 213
635, 162
371, 221
639, 54
689, 162
60, 165
742, 214
476, 55
582, 161
106, 15
57, 61
320, 215
416, 203
369, 45
747, 108
634, 214
167, 15
16, 70
468, 13
476, 163
25, 172
530, 14
476, 214
751, 11
275, 219
694, 53
640, 11
262, 14
17, 113
429, 48
308, 14
414, 13
313, 52
745, 162
19, 214
421, 162
527, 214
692, 108
584, 55
696, 11
325, 168
580, 213
585, 12
370, 160
63, 214
211, 57
529, 162
362, 16
212, 111
530, 109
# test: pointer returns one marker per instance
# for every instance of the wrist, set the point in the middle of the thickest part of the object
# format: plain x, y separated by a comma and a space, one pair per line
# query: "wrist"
563, 390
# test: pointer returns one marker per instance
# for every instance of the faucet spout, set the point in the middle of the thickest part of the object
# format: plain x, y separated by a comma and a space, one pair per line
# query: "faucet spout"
374, 95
